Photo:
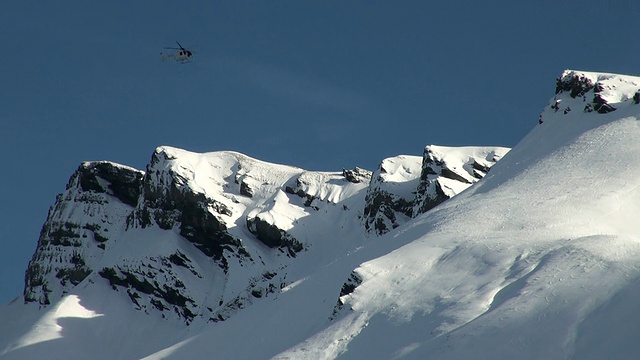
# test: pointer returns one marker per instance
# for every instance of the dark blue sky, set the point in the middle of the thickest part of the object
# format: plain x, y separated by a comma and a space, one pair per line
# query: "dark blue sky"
320, 85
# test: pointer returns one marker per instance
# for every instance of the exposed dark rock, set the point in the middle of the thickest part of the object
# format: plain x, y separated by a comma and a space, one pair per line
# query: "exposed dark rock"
269, 275
597, 88
348, 287
60, 253
274, 237
479, 170
121, 182
134, 296
36, 289
61, 234
298, 190
128, 281
430, 191
157, 304
430, 195
206, 231
198, 217
384, 208
601, 105
448, 173
357, 175
576, 84
180, 259
636, 97
245, 189
160, 295
75, 274
381, 207
351, 284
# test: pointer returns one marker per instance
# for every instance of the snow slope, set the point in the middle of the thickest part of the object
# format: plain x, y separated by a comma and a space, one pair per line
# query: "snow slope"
538, 260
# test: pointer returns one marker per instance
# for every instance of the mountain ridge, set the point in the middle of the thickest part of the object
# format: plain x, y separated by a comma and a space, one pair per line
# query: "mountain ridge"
220, 202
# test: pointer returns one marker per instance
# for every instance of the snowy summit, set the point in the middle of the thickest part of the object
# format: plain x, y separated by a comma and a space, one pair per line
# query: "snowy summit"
461, 253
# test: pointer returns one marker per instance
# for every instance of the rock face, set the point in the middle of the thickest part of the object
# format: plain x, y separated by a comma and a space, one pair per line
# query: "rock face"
196, 237
357, 175
272, 236
390, 197
576, 84
447, 171
80, 226
404, 187
168, 202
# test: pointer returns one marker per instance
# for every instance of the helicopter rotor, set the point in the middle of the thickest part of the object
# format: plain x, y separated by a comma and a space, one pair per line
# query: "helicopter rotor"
176, 48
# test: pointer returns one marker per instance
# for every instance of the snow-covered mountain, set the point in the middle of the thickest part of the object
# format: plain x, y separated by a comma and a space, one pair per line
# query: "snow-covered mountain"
219, 255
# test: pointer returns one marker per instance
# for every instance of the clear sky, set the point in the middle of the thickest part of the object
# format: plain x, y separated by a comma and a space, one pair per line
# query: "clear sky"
322, 85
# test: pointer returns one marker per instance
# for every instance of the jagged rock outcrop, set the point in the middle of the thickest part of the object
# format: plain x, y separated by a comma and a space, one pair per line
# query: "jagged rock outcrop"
274, 237
576, 84
448, 171
157, 280
591, 92
391, 193
404, 187
357, 175
300, 188
348, 287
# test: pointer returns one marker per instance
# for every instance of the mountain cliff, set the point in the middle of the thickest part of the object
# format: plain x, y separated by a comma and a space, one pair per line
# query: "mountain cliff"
527, 253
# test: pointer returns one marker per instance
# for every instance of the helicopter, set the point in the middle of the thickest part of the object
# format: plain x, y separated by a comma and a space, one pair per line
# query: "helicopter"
180, 54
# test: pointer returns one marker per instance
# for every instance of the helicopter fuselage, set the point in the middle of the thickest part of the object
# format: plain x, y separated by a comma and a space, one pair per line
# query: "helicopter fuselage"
180, 54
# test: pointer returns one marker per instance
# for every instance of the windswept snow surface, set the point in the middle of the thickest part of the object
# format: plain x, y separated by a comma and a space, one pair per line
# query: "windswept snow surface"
538, 260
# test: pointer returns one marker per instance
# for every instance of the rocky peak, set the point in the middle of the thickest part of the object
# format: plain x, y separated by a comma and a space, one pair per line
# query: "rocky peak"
576, 84
592, 92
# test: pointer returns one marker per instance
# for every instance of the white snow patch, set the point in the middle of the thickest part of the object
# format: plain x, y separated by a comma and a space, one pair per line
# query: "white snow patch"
48, 327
